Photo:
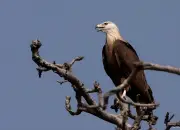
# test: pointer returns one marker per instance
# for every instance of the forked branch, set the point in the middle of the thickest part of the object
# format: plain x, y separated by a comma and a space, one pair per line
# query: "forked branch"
168, 123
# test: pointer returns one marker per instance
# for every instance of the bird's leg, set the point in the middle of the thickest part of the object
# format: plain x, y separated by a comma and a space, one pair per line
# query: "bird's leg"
124, 94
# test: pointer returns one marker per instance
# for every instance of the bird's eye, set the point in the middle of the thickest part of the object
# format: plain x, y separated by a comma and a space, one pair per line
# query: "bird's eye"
105, 23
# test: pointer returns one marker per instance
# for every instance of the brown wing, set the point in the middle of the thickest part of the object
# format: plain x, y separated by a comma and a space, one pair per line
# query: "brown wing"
126, 55
105, 63
111, 67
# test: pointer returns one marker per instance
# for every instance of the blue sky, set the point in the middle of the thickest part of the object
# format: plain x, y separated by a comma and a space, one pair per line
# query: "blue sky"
67, 29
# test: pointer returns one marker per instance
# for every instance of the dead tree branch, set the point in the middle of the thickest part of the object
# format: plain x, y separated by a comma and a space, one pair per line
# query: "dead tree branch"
90, 106
63, 71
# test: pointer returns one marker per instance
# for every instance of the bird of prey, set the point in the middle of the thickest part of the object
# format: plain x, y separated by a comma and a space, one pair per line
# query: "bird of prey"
118, 57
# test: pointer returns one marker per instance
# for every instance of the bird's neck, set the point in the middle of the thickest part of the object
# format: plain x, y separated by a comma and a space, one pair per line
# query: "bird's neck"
112, 36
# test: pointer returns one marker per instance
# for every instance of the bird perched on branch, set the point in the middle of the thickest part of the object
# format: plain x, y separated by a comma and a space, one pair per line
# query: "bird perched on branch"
118, 57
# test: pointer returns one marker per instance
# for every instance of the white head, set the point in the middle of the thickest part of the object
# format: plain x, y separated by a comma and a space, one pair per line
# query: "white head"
107, 27
110, 29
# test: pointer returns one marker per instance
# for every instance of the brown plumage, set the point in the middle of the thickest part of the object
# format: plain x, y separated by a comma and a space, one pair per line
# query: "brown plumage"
119, 68
118, 57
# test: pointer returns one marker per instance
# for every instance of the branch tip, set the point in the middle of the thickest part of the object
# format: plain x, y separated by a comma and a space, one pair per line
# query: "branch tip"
79, 58
62, 82
97, 86
36, 44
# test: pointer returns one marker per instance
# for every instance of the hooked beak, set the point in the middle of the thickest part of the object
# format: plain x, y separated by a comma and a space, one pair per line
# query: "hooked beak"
99, 27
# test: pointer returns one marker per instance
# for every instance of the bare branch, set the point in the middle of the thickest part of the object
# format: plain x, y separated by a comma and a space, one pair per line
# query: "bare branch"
157, 67
172, 124
68, 107
95, 89
130, 102
99, 91
79, 58
68, 66
90, 106
169, 124
36, 44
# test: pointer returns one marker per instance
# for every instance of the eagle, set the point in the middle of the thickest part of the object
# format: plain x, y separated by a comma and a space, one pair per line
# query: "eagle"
118, 58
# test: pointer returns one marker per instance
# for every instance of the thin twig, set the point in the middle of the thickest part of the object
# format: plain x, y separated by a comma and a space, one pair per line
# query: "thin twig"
79, 58
62, 82
68, 107
96, 88
99, 91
